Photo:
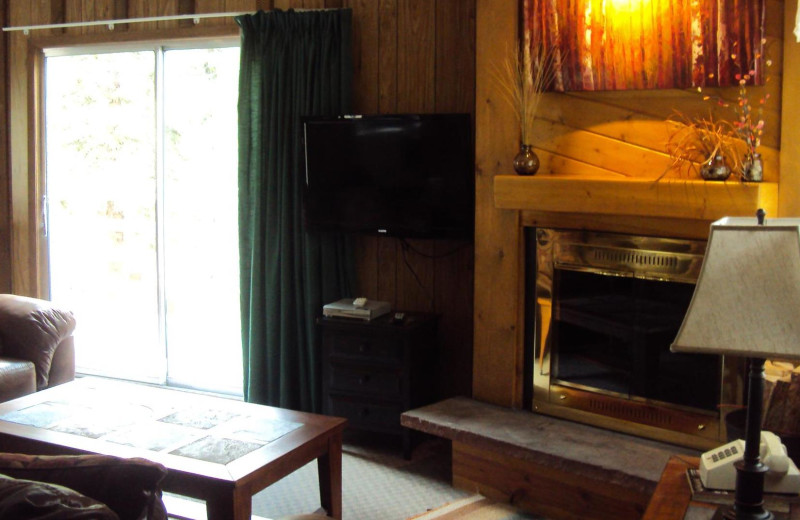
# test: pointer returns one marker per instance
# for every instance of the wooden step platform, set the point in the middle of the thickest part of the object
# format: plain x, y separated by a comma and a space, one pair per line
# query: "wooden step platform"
548, 466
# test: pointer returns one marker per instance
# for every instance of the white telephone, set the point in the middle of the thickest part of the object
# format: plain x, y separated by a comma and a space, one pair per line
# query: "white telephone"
717, 470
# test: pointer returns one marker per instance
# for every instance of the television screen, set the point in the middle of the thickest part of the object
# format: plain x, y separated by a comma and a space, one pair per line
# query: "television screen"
398, 175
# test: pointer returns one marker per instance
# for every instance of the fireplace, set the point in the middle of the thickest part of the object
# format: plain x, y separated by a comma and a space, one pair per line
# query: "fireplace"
603, 311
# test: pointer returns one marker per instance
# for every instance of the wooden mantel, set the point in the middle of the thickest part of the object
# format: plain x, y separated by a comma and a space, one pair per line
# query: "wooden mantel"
634, 197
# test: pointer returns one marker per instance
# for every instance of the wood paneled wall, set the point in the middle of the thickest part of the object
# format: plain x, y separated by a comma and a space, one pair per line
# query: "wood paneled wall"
424, 61
410, 56
616, 134
5, 182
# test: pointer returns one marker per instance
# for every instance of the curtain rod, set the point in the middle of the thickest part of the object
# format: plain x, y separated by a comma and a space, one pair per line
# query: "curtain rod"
111, 23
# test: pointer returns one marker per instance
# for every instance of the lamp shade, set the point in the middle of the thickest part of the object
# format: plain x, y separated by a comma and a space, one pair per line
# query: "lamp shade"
747, 298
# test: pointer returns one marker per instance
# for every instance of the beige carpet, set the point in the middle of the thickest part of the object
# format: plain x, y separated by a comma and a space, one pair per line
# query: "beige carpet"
475, 507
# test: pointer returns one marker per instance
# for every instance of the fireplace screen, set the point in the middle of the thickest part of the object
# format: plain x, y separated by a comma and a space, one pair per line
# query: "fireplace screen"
607, 308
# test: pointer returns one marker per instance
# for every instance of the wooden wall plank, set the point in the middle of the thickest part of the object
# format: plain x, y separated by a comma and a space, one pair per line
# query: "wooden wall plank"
455, 56
387, 56
553, 164
243, 6
453, 293
416, 23
93, 10
497, 375
789, 194
666, 104
143, 10
365, 55
598, 150
604, 119
264, 5
5, 181
416, 275
387, 266
288, 4
167, 8
366, 257
23, 228
209, 6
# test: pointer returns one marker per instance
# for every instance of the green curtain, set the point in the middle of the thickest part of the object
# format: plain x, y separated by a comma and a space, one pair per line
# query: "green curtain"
292, 64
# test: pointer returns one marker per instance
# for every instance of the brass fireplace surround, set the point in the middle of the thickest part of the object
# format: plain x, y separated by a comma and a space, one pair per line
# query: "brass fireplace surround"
618, 256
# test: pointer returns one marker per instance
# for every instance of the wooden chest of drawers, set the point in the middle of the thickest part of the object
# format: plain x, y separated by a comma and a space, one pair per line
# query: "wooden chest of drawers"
375, 370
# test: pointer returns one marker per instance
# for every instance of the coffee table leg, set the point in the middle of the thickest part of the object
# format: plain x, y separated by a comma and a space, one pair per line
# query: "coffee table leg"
329, 467
235, 505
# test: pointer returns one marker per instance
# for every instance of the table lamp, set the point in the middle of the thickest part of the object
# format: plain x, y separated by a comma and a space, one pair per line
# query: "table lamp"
747, 303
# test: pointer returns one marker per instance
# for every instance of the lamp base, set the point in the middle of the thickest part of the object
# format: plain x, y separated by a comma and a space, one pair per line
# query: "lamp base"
729, 513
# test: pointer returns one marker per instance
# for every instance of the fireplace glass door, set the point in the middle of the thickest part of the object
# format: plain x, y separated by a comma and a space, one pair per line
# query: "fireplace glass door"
613, 333
606, 310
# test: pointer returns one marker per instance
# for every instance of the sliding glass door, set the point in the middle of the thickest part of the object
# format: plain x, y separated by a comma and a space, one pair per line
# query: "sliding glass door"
142, 221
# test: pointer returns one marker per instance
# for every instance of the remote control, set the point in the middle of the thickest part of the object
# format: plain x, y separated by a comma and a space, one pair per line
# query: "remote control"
359, 302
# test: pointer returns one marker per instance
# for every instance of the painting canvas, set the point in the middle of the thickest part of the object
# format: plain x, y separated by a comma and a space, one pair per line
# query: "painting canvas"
648, 44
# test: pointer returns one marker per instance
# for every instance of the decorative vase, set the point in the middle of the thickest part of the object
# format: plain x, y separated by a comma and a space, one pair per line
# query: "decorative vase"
526, 162
715, 169
753, 168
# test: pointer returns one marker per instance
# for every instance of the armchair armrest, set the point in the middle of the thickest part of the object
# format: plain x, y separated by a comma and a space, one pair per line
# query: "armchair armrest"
130, 487
17, 378
32, 329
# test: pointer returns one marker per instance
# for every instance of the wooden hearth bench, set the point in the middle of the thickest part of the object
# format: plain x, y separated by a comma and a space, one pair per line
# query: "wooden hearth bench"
547, 466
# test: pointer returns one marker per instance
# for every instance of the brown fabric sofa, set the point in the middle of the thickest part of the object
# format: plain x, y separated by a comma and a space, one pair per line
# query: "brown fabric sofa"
37, 349
97, 487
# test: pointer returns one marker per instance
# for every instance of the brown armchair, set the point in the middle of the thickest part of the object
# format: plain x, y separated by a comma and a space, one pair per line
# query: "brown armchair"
37, 349
97, 487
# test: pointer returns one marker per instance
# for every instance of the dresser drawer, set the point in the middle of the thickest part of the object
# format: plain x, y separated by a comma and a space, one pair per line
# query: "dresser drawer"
365, 380
384, 349
365, 414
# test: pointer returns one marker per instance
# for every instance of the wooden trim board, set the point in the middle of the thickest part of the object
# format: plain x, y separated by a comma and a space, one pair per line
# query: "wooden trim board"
667, 198
551, 492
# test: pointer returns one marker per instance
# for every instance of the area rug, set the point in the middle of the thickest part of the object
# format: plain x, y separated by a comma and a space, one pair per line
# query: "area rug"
475, 507
377, 482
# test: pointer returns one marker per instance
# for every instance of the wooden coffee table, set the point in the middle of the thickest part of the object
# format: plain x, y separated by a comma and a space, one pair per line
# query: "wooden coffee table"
219, 450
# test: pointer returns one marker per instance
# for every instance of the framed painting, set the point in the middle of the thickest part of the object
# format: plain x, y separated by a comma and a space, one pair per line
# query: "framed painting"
648, 44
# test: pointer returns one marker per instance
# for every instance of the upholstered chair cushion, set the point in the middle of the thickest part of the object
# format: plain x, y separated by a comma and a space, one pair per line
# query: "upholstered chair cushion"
31, 329
27, 499
130, 487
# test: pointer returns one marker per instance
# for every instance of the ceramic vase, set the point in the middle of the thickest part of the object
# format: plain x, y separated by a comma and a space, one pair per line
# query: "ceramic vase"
715, 169
526, 162
753, 168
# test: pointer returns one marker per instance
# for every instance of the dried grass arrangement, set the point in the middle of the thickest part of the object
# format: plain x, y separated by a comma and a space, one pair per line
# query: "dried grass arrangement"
523, 78
696, 141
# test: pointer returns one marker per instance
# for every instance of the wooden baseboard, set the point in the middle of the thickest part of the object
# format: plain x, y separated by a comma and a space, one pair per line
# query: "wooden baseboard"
546, 491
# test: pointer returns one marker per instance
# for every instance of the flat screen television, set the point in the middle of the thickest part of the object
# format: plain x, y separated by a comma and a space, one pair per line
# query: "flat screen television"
407, 175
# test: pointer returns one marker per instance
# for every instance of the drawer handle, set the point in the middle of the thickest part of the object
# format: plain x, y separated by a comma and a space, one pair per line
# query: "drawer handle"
363, 348
363, 379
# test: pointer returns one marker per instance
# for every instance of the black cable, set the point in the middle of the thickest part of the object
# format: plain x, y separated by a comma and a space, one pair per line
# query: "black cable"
405, 246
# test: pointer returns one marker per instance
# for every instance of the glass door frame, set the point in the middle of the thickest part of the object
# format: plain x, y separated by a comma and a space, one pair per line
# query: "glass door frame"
26, 140
38, 201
